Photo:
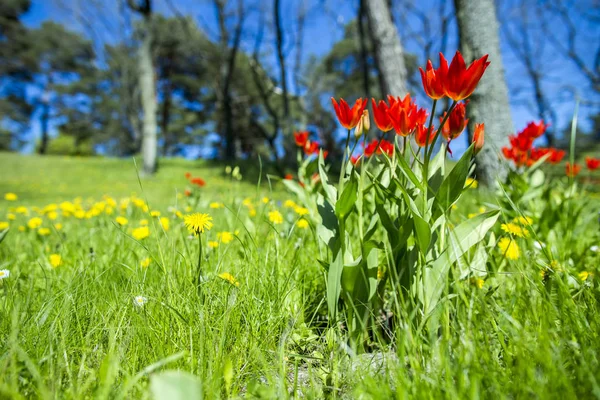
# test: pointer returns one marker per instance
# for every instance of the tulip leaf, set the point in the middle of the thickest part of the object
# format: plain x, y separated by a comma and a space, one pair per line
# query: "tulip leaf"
344, 204
460, 240
453, 184
330, 190
334, 284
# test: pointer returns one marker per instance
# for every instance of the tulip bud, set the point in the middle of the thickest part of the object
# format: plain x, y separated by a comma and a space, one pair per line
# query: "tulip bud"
364, 124
478, 137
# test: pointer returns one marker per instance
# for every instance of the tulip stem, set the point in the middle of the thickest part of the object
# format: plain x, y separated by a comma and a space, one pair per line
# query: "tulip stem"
425, 152
343, 170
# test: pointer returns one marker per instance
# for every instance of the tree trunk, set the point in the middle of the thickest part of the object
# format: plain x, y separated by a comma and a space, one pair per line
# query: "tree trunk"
387, 48
44, 124
148, 90
147, 85
478, 30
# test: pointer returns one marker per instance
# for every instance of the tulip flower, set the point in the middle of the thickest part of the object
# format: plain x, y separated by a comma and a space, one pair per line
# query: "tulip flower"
301, 138
405, 116
460, 81
556, 156
364, 124
533, 130
456, 122
380, 115
434, 80
478, 138
311, 147
347, 116
421, 135
572, 170
592, 163
377, 146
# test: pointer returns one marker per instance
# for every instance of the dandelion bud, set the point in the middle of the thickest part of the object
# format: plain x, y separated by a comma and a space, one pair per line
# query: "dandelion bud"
478, 137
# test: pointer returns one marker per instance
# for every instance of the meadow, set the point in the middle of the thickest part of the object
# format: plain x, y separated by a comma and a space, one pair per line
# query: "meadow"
103, 294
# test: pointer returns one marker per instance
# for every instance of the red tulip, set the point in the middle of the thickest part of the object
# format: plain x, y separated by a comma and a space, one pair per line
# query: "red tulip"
533, 130
301, 138
347, 116
572, 170
198, 182
478, 138
461, 81
405, 116
556, 156
289, 177
311, 147
380, 115
434, 80
421, 135
521, 142
377, 147
188, 175
456, 122
592, 163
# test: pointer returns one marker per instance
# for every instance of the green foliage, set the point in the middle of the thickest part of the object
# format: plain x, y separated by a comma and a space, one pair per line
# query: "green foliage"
63, 145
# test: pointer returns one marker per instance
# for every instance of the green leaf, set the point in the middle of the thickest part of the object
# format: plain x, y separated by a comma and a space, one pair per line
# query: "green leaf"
453, 184
3, 234
346, 201
460, 240
328, 229
423, 233
175, 385
334, 284
408, 172
330, 190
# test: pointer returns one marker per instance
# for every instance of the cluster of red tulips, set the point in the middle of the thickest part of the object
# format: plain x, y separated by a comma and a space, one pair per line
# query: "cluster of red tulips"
308, 147
522, 152
195, 180
456, 81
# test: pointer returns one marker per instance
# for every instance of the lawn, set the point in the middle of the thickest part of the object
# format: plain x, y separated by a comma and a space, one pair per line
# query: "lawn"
112, 300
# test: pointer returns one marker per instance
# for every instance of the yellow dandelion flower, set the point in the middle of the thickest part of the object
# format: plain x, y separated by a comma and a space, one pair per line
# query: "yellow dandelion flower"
275, 217
252, 212
515, 229
11, 216
247, 202
584, 275
226, 276
44, 231
215, 205
52, 215
178, 214
225, 237
165, 223
188, 209
109, 211
290, 204
301, 210
155, 213
509, 248
140, 233
58, 226
197, 223
34, 223
22, 210
121, 220
523, 220
10, 197
79, 214
380, 273
302, 223
145, 262
21, 228
265, 200
55, 260
144, 222
471, 183
4, 225
477, 282
212, 244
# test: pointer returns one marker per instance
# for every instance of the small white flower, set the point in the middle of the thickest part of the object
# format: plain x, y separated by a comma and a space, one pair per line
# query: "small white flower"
595, 249
538, 245
4, 273
140, 301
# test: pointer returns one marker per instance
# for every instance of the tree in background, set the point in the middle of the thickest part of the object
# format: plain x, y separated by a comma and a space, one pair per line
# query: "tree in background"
478, 31
147, 84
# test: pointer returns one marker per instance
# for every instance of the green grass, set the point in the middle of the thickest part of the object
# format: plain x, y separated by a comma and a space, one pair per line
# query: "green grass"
74, 331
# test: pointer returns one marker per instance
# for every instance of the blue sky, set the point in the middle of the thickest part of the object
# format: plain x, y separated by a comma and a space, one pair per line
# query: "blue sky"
324, 26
